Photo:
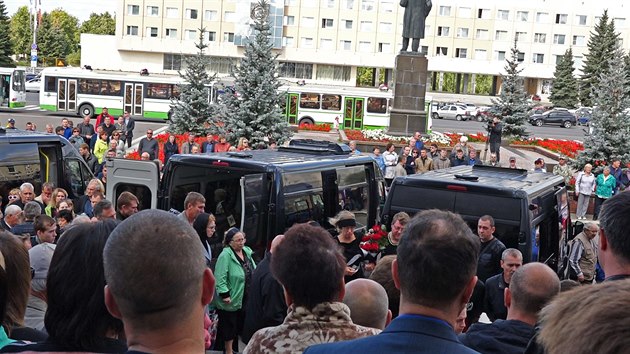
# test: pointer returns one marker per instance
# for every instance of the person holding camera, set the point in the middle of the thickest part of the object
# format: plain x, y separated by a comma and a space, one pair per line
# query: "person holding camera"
495, 128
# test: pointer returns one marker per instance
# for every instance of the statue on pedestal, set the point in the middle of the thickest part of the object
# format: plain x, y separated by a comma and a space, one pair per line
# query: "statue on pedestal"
416, 12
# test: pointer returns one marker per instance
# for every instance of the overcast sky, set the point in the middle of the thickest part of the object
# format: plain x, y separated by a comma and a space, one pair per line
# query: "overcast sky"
78, 8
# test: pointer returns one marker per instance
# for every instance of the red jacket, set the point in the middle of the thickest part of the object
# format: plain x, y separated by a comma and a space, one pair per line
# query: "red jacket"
99, 119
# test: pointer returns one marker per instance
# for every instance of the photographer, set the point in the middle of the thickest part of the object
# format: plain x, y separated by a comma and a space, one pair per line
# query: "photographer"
495, 128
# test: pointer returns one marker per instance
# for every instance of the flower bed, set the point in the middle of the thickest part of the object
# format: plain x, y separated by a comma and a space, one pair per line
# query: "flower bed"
568, 148
320, 127
379, 135
472, 138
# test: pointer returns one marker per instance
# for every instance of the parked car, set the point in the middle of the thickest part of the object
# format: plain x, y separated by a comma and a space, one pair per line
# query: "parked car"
555, 116
483, 114
33, 85
583, 115
451, 111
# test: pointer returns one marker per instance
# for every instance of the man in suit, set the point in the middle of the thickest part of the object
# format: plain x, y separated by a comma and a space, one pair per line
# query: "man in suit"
130, 123
435, 272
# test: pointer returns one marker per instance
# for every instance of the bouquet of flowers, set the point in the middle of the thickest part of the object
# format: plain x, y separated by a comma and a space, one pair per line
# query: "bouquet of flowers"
375, 239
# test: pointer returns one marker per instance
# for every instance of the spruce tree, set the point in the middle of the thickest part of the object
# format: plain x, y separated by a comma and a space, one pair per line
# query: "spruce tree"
601, 46
255, 112
565, 85
610, 121
626, 61
5, 41
192, 112
512, 103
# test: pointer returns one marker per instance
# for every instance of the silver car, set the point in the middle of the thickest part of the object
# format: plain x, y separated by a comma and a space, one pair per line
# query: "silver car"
451, 111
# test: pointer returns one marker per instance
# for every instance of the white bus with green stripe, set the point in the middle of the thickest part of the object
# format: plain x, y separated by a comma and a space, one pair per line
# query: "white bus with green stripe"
12, 87
86, 92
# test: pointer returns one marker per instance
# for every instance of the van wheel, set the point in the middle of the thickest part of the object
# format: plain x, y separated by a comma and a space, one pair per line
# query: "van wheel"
307, 120
567, 124
86, 110
458, 117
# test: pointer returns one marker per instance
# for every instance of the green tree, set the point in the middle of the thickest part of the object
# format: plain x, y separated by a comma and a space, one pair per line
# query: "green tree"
256, 113
5, 40
192, 111
601, 46
512, 102
565, 85
99, 24
21, 31
69, 27
610, 122
626, 61
58, 35
365, 76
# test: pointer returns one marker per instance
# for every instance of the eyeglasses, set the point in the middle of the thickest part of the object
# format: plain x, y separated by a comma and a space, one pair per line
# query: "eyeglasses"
149, 133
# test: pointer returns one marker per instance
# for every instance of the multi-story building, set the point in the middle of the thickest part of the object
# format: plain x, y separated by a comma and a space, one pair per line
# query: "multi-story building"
325, 41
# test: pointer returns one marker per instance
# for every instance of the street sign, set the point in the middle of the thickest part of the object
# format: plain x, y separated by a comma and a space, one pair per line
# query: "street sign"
34, 46
60, 62
33, 57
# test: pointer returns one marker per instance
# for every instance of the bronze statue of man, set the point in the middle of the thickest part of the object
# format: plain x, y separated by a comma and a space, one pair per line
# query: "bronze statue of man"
416, 11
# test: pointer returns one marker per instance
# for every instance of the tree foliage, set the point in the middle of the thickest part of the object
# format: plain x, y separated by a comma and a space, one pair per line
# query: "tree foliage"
610, 121
58, 34
192, 112
5, 40
601, 46
565, 84
512, 103
99, 24
255, 114
21, 31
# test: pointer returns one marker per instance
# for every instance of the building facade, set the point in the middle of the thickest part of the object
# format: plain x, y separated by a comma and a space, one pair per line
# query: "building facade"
326, 41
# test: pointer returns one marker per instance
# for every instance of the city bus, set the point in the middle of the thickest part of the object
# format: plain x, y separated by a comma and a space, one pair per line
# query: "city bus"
13, 88
87, 92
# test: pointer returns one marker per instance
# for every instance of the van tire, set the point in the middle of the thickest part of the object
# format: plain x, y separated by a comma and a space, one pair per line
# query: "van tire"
307, 120
86, 109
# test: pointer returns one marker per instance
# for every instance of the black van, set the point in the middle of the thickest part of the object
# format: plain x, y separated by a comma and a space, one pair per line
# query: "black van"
35, 157
263, 192
529, 208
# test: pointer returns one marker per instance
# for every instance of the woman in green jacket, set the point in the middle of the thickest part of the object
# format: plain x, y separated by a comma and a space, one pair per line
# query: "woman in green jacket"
233, 273
605, 187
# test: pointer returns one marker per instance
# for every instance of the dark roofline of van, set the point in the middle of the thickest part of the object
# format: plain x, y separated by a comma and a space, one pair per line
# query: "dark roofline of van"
19, 135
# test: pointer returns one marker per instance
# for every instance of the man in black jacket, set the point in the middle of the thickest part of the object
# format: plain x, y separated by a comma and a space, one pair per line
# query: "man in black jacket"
266, 306
495, 128
489, 263
131, 125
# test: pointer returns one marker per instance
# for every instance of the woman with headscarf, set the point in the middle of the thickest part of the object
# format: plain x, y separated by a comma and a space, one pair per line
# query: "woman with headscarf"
205, 225
345, 222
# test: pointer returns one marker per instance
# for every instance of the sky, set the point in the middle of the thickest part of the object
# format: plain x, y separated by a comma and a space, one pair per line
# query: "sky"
78, 8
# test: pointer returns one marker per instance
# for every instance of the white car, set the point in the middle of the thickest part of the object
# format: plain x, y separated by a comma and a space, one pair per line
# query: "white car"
33, 85
451, 111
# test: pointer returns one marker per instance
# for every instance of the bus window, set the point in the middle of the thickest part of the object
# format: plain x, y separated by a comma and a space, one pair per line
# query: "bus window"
377, 105
50, 84
161, 91
309, 100
111, 88
18, 81
331, 102
90, 87
176, 91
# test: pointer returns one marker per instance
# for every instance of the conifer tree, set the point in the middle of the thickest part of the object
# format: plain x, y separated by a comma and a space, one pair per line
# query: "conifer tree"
565, 85
610, 122
5, 41
192, 112
512, 103
254, 112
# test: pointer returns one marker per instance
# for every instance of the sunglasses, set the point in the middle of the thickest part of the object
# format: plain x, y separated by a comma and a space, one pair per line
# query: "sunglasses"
13, 197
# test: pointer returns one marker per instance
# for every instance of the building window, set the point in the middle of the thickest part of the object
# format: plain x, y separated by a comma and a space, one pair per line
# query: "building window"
290, 2
465, 12
210, 15
229, 16
172, 12
424, 49
333, 72
538, 58
347, 24
345, 44
542, 17
308, 22
152, 32
620, 22
190, 34
385, 27
153, 11
327, 22
462, 32
481, 54
384, 48
578, 61
521, 36
483, 14
558, 38
171, 33
228, 37
220, 65
133, 10
191, 14
445, 11
441, 51
520, 57
561, 19
501, 35
172, 62
330, 3
289, 42
325, 43
349, 4
540, 37
365, 47
522, 16
503, 15
443, 31
580, 20
579, 40
365, 26
307, 42
559, 58
211, 36
296, 70
289, 20
499, 55
481, 34
367, 5
132, 30
387, 6
461, 53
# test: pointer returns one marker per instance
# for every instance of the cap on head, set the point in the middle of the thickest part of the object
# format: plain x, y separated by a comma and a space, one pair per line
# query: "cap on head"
40, 257
512, 158
11, 120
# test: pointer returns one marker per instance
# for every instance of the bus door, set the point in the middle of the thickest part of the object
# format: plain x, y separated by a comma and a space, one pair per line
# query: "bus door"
67, 95
353, 113
134, 97
293, 100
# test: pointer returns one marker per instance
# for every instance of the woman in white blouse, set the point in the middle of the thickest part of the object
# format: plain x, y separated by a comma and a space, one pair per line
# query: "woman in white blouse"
584, 187
390, 157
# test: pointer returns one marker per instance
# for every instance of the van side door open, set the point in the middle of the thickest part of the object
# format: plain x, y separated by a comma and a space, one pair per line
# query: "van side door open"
141, 178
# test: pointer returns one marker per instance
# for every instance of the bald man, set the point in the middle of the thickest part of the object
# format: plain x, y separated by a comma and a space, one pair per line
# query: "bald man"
368, 303
266, 306
531, 288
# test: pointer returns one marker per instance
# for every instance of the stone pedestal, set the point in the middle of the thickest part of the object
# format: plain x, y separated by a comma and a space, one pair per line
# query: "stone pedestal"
408, 114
